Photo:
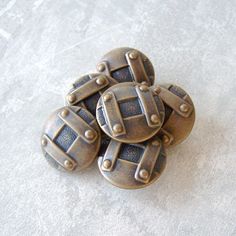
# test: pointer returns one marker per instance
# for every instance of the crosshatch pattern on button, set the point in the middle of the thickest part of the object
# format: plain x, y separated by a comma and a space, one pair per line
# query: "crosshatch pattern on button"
122, 75
130, 107
134, 115
91, 102
85, 116
65, 138
131, 152
71, 142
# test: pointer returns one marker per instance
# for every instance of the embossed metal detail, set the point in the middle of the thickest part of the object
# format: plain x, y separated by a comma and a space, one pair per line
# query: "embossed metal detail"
128, 114
87, 90
179, 114
71, 138
127, 65
133, 166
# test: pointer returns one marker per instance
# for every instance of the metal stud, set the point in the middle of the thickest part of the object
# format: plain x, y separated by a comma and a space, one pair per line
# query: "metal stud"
184, 108
44, 142
100, 80
64, 113
89, 134
165, 139
157, 90
106, 164
117, 128
144, 83
71, 98
144, 174
107, 97
133, 55
155, 119
100, 67
68, 164
143, 88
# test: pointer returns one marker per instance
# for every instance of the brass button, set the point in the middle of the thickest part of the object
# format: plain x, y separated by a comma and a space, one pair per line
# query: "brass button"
129, 115
87, 90
127, 65
132, 166
71, 138
179, 114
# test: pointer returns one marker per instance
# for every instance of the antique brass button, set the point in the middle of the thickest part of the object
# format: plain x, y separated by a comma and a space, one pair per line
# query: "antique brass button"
132, 166
71, 138
127, 65
87, 90
179, 114
130, 112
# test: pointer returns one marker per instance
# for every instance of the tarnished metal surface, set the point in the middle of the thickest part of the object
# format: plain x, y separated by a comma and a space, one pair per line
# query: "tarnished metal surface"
132, 166
87, 90
130, 112
179, 114
127, 65
71, 138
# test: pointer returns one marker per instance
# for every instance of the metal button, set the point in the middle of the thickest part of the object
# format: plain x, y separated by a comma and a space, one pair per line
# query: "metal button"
127, 65
179, 114
132, 166
128, 114
71, 138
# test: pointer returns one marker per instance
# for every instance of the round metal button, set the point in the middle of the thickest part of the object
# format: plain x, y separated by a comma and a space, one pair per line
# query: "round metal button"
179, 114
132, 166
127, 65
71, 138
130, 112
87, 90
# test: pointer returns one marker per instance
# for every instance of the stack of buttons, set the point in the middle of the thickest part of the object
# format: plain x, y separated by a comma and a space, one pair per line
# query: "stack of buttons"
120, 117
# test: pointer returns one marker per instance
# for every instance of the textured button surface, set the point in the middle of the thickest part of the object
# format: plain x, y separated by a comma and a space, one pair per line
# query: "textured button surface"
132, 166
130, 112
87, 90
71, 138
127, 65
179, 114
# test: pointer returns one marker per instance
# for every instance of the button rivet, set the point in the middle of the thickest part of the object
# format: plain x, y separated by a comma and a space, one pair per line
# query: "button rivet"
100, 80
106, 164
184, 107
117, 128
143, 88
71, 98
68, 164
133, 55
101, 67
144, 174
155, 119
64, 113
165, 139
89, 134
107, 97
44, 142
